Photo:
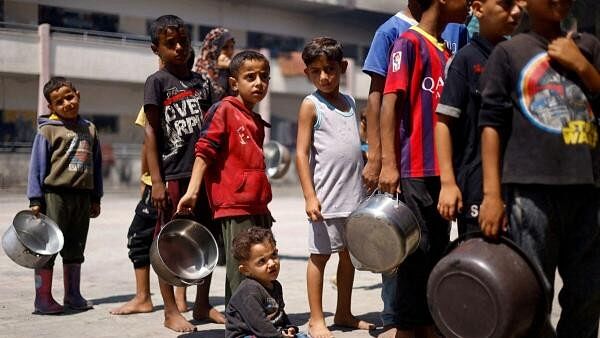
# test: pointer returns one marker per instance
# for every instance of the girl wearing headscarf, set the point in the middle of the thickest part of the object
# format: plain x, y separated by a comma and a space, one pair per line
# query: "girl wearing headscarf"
215, 56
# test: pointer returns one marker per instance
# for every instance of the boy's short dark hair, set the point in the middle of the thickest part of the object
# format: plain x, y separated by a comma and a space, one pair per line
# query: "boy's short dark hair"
246, 55
55, 83
322, 46
244, 240
162, 23
424, 4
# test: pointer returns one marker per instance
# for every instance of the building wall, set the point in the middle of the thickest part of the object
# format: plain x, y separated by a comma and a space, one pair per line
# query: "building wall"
110, 73
23, 12
237, 15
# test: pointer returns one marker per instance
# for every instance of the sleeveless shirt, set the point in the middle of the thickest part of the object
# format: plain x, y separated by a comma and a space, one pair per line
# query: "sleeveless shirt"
335, 157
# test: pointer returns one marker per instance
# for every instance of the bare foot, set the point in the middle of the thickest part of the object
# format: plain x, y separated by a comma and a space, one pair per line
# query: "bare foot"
352, 322
211, 314
135, 305
178, 323
389, 331
318, 329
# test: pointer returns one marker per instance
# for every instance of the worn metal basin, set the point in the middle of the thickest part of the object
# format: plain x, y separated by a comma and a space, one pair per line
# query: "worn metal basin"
184, 252
32, 241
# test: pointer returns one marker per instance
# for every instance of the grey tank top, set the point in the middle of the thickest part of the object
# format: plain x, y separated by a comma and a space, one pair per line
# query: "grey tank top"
335, 158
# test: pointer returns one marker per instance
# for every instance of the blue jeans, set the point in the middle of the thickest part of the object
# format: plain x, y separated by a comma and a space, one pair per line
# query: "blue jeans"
559, 227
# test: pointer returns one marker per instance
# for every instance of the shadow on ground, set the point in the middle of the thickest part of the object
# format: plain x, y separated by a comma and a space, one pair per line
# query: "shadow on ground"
113, 299
293, 258
369, 287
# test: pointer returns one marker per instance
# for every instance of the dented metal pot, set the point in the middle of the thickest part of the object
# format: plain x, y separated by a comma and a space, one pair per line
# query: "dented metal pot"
32, 240
381, 233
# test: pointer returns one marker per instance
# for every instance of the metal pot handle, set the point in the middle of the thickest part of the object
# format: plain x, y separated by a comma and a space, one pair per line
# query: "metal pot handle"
184, 214
191, 284
396, 196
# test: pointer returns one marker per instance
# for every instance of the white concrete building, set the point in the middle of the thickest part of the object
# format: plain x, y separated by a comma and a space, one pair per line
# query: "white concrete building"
106, 53
103, 47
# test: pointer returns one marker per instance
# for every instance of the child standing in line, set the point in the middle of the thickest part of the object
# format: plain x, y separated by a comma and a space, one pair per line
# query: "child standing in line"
376, 66
230, 161
541, 100
141, 233
413, 87
214, 59
175, 99
329, 164
256, 308
139, 237
457, 133
65, 182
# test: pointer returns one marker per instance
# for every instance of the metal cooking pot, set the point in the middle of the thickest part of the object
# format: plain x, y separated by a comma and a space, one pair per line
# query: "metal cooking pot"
381, 233
32, 241
484, 289
277, 159
184, 252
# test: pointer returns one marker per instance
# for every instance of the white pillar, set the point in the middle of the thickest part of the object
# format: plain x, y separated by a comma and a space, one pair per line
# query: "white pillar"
264, 106
44, 64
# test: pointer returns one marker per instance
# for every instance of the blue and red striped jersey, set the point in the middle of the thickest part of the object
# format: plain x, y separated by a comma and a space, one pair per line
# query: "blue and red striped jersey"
416, 71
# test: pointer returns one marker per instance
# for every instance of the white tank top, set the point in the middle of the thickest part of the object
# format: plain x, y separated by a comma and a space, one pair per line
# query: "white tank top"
335, 157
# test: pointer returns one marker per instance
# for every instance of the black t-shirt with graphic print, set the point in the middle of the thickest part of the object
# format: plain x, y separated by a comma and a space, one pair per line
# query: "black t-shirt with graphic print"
182, 103
544, 112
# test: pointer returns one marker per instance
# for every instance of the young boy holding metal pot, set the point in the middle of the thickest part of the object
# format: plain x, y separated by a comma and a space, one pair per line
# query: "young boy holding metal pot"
65, 182
329, 164
413, 86
229, 159
175, 100
540, 156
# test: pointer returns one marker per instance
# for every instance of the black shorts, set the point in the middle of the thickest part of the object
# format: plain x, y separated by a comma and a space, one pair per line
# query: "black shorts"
141, 230
421, 196
468, 220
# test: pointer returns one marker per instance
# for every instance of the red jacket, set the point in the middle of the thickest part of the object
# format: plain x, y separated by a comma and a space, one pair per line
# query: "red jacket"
231, 143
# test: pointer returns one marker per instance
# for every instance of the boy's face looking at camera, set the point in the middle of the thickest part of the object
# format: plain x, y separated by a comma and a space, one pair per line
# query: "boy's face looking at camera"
325, 74
262, 264
64, 102
173, 46
251, 81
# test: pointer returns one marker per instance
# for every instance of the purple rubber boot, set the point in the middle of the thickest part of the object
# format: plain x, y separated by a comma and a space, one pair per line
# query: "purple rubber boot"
73, 298
44, 303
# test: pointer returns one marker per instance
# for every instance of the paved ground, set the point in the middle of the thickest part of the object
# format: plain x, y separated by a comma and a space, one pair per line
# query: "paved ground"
108, 279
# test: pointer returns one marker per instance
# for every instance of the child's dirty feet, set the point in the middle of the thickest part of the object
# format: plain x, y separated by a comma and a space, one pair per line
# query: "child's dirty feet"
178, 323
318, 329
135, 305
210, 314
